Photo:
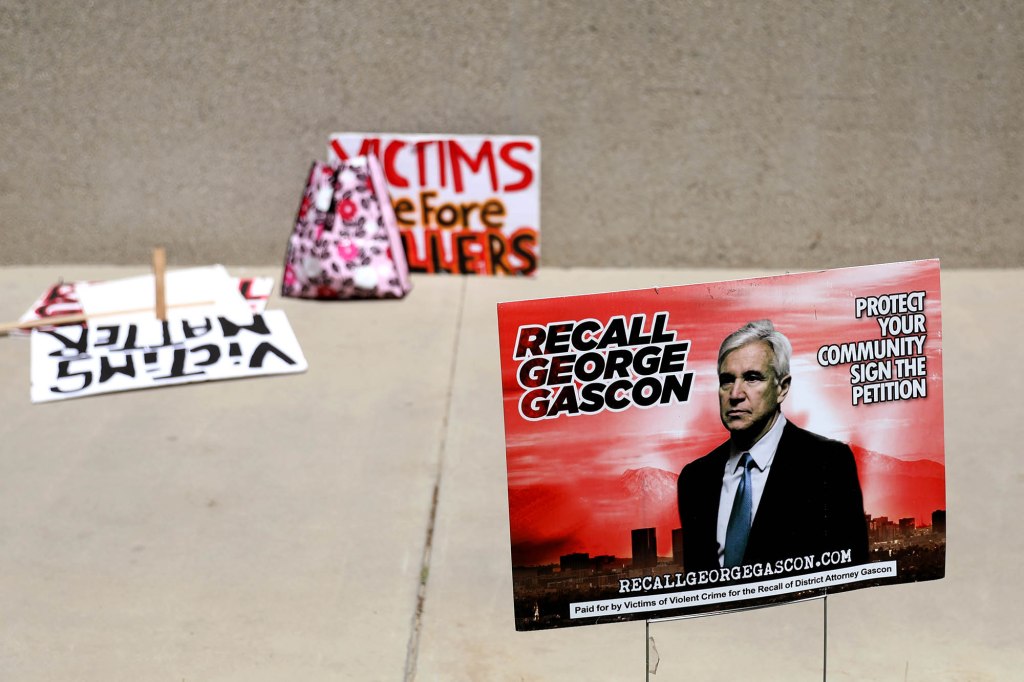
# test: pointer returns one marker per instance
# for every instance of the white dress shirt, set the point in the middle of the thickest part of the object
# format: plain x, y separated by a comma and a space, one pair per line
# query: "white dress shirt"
762, 452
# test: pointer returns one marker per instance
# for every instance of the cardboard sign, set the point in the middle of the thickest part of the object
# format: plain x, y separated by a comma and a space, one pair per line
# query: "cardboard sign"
63, 299
466, 204
630, 493
76, 361
207, 290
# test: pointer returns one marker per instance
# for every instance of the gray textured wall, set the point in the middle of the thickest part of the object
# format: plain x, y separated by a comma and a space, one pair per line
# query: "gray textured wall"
779, 134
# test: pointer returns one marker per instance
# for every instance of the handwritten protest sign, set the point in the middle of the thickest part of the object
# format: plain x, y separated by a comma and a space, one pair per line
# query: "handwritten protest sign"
206, 290
76, 361
63, 298
703, 448
466, 204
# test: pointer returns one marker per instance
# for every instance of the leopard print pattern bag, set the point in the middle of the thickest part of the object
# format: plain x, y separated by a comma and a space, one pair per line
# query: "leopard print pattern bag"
346, 243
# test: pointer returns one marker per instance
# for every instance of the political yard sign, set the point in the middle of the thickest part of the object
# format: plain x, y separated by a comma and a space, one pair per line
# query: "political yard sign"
695, 449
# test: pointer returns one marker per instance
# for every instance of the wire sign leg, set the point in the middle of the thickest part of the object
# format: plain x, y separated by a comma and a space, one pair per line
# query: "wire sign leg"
647, 650
824, 656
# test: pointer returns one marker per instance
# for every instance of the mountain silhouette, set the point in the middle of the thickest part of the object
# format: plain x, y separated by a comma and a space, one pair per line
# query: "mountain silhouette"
657, 486
899, 488
595, 514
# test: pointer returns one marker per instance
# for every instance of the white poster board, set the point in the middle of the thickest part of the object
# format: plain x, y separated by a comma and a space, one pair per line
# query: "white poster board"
207, 290
77, 361
465, 204
62, 299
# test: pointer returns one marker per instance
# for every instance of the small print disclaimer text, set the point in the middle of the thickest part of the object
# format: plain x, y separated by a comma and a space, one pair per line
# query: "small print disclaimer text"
729, 593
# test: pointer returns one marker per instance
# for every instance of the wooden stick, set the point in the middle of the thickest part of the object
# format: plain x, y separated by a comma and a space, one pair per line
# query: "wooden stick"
58, 320
159, 268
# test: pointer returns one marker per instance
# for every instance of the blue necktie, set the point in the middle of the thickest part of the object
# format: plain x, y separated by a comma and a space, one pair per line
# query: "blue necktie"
739, 520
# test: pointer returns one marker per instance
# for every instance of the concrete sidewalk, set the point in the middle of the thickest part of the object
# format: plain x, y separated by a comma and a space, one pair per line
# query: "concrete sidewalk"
351, 523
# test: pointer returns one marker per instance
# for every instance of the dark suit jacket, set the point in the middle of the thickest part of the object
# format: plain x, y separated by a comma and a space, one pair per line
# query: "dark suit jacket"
811, 504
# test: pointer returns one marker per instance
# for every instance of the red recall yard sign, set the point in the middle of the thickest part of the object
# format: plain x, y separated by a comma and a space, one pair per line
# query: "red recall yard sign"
624, 410
466, 204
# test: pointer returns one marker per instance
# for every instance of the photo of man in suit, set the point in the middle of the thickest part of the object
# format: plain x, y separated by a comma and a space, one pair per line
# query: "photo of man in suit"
773, 491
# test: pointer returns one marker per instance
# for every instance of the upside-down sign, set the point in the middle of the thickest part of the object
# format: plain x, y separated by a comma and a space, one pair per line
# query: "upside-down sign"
466, 204
75, 361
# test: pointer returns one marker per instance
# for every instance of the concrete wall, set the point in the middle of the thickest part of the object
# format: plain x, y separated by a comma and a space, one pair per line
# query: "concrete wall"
777, 134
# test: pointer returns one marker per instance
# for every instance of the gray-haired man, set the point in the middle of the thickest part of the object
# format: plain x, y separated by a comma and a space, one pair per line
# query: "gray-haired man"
773, 492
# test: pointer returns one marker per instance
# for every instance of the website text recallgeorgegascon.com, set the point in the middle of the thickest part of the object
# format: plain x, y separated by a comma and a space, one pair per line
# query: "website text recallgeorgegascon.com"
730, 593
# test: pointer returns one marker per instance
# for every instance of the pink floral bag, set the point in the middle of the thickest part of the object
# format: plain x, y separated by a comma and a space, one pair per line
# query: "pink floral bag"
346, 242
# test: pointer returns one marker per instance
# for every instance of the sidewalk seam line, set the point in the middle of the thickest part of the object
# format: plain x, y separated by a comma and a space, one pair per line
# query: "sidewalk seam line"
412, 651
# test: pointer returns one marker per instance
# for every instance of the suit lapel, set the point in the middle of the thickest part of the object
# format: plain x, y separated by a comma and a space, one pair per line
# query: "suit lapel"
776, 489
710, 503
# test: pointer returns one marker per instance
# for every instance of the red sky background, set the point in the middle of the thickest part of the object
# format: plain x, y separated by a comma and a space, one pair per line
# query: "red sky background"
569, 486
